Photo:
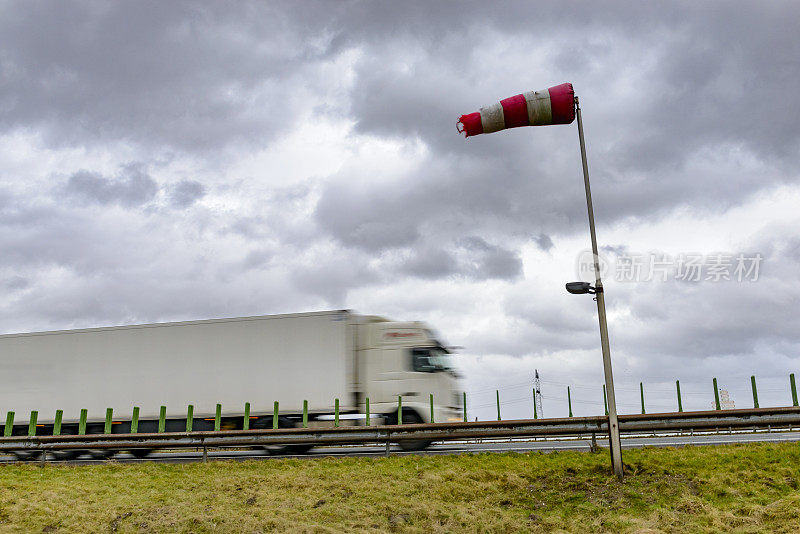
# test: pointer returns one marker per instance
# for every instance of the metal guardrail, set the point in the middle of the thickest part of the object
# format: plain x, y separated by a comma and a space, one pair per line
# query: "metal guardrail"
598, 425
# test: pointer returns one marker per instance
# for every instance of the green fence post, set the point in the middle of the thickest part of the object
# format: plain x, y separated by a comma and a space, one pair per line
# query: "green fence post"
162, 419
678, 387
716, 395
755, 391
305, 413
218, 418
135, 420
465, 406
189, 417
641, 391
535, 415
82, 422
109, 418
57, 422
432, 421
275, 409
9, 424
246, 418
794, 389
399, 409
367, 403
497, 391
605, 399
336, 412
569, 401
32, 423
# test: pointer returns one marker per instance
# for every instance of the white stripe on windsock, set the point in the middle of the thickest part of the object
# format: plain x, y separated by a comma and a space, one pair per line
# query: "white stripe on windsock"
539, 110
492, 118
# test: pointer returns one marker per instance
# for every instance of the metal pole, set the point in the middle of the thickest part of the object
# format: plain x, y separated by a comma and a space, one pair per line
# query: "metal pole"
569, 401
641, 390
613, 423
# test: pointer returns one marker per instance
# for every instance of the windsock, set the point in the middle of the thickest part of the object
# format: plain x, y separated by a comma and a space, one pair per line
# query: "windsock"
555, 105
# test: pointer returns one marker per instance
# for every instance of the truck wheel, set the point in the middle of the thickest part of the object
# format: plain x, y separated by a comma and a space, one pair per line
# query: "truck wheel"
26, 456
278, 450
68, 454
65, 455
140, 453
409, 418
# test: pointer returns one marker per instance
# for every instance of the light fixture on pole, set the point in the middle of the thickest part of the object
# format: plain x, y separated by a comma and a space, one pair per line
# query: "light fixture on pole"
557, 105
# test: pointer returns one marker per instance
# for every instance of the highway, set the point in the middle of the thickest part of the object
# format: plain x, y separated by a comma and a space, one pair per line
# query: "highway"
452, 447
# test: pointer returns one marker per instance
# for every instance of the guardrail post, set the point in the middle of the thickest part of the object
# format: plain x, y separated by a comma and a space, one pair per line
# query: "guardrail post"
535, 415
569, 401
246, 417
367, 402
82, 421
755, 391
305, 413
336, 412
135, 420
109, 418
162, 419
605, 400
57, 422
432, 421
32, 423
9, 424
498, 404
794, 389
275, 409
189, 417
399, 409
716, 395
678, 387
641, 391
464, 393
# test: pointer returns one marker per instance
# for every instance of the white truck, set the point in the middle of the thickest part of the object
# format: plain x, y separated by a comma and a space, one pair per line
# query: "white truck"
318, 358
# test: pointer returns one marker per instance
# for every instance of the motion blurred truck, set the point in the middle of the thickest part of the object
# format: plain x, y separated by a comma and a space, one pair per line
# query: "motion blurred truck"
315, 357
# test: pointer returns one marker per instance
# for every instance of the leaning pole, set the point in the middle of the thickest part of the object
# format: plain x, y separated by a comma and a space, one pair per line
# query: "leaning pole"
557, 105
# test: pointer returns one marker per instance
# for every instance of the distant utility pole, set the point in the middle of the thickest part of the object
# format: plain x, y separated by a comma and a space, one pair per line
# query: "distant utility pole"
537, 396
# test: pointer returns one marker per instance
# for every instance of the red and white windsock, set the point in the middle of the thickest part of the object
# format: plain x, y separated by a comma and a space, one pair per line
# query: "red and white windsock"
555, 105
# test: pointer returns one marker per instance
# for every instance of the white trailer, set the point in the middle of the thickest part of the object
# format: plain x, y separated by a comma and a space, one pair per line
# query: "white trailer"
306, 357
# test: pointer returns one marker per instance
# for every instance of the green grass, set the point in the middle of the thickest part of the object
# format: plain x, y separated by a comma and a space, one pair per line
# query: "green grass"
745, 488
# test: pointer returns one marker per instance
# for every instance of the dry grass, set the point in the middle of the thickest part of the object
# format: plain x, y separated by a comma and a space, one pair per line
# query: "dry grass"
749, 488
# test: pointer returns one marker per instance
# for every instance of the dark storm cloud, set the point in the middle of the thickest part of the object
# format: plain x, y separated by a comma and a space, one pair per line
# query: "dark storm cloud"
133, 187
469, 257
544, 242
490, 261
675, 81
678, 85
169, 75
185, 193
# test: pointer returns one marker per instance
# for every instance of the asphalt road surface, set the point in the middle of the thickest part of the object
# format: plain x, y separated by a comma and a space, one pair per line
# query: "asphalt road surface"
453, 447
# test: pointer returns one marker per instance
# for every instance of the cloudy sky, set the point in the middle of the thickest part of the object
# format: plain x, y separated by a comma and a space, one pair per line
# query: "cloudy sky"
187, 160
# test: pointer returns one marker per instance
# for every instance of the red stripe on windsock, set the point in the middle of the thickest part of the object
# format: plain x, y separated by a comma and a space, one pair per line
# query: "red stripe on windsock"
470, 124
562, 103
515, 111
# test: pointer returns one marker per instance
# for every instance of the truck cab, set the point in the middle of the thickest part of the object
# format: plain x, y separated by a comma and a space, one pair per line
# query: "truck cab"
404, 359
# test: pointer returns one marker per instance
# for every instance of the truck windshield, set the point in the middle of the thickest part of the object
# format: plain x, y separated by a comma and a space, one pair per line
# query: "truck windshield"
431, 359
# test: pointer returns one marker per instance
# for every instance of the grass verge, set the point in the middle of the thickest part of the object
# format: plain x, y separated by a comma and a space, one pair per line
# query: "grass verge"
744, 488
